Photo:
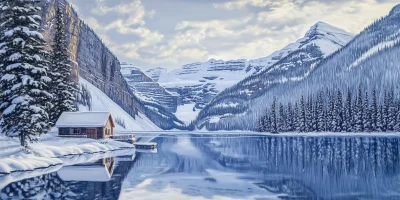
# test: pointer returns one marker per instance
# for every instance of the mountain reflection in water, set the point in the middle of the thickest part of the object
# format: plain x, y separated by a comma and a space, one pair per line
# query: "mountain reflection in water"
232, 167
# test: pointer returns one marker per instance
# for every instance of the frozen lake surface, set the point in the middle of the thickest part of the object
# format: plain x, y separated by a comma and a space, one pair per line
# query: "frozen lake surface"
228, 166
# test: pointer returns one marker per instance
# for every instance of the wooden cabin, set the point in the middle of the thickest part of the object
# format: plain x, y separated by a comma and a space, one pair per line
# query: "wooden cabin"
96, 125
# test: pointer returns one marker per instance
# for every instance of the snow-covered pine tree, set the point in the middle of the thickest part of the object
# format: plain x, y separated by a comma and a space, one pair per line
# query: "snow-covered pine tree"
289, 118
296, 126
385, 111
260, 127
63, 87
274, 128
24, 82
397, 126
339, 113
330, 125
320, 125
309, 114
367, 125
267, 122
348, 113
380, 120
282, 119
374, 111
302, 115
391, 111
359, 112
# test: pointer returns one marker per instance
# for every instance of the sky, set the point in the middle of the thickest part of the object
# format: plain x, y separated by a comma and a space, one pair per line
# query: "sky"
171, 33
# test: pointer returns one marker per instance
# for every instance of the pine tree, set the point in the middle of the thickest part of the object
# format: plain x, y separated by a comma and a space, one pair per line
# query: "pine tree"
330, 125
302, 116
397, 126
24, 82
391, 111
289, 118
267, 124
261, 125
348, 114
63, 87
367, 119
309, 115
281, 119
359, 112
320, 113
380, 120
296, 126
374, 111
385, 111
274, 128
339, 113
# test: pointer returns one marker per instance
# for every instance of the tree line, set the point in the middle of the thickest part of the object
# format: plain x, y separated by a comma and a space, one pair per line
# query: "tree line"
329, 111
36, 85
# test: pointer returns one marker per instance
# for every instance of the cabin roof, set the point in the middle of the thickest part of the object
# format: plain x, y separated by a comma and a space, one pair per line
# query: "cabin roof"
84, 119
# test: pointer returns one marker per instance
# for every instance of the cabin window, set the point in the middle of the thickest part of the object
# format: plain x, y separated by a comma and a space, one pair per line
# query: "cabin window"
108, 131
75, 131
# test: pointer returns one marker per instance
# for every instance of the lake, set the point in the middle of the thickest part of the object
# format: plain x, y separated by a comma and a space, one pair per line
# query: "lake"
229, 167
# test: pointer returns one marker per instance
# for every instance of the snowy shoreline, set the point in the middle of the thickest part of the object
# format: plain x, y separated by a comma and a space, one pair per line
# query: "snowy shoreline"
54, 152
250, 133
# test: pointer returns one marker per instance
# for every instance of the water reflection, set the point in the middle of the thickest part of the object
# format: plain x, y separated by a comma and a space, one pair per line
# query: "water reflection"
101, 179
232, 167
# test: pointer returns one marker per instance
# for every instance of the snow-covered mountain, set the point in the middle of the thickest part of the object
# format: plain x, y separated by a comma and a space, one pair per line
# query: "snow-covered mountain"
157, 103
146, 89
155, 73
198, 83
370, 60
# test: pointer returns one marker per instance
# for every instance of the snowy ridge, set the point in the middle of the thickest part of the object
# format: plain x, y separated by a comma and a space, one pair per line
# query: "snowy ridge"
375, 49
198, 83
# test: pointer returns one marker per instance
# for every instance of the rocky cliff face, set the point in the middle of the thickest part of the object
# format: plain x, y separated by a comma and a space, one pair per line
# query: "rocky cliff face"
146, 89
90, 58
93, 61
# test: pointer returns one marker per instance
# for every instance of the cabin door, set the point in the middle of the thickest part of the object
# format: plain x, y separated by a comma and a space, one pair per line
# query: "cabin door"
91, 133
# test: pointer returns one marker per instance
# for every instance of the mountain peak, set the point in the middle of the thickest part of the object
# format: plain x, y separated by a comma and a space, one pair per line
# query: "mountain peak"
322, 28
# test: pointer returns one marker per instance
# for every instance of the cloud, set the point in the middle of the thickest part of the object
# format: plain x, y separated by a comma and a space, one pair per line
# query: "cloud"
151, 33
350, 15
238, 4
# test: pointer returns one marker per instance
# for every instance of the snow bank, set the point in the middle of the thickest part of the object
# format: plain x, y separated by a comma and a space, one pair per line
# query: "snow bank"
51, 152
101, 102
53, 147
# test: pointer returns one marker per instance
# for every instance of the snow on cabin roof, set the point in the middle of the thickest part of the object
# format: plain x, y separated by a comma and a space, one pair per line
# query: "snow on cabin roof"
93, 173
83, 119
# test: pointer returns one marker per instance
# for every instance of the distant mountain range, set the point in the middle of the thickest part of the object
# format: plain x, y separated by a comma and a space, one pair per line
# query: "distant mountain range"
370, 60
197, 84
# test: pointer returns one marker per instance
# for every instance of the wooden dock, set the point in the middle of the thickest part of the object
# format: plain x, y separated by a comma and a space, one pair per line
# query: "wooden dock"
145, 145
124, 138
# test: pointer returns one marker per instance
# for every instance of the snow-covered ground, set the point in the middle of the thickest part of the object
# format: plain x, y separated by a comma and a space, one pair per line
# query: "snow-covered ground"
52, 152
101, 102
186, 114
